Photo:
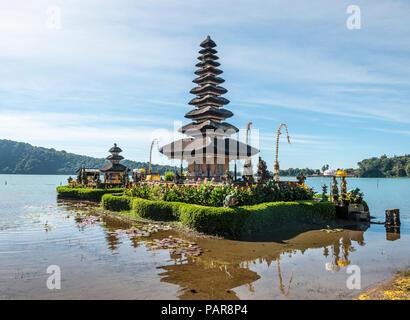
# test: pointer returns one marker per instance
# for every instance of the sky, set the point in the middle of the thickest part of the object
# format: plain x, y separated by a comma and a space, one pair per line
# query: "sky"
81, 75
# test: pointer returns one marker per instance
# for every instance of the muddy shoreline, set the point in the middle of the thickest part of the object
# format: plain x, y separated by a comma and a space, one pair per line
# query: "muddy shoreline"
395, 288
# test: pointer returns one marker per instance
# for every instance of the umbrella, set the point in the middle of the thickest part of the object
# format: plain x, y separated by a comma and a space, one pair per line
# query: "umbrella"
341, 173
329, 172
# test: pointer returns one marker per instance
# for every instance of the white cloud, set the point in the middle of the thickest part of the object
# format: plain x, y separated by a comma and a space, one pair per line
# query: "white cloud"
117, 61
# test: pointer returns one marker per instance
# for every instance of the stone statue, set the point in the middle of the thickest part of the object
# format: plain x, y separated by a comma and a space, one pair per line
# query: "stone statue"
343, 187
248, 172
227, 177
335, 190
136, 177
230, 201
177, 177
79, 176
82, 176
324, 192
301, 179
125, 177
248, 179
247, 168
70, 180
263, 174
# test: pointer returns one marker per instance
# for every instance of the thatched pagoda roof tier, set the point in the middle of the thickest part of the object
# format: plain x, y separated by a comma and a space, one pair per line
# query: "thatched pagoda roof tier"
208, 56
220, 128
209, 69
116, 167
208, 43
189, 149
208, 78
208, 100
114, 157
207, 50
208, 89
210, 111
115, 149
207, 63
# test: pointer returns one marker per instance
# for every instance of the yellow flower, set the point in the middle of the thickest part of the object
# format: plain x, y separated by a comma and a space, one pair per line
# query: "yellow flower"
342, 263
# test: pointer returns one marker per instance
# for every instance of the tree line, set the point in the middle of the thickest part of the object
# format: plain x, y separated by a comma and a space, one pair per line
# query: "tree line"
23, 158
383, 167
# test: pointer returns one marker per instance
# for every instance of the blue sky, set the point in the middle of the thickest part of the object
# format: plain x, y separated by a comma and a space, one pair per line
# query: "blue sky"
121, 71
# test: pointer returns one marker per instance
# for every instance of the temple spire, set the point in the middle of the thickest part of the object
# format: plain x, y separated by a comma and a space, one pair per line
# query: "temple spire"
208, 147
209, 112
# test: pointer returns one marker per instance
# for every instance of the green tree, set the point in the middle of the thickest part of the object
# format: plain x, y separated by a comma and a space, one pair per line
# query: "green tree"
408, 169
384, 166
169, 176
325, 167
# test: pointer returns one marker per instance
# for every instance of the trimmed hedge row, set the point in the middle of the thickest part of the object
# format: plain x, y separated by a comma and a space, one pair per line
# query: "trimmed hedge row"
232, 222
65, 192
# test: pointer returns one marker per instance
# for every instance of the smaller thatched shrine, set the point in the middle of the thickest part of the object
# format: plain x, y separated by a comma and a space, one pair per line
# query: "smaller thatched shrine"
87, 176
115, 172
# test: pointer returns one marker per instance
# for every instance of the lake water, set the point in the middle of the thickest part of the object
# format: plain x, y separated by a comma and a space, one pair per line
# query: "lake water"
96, 262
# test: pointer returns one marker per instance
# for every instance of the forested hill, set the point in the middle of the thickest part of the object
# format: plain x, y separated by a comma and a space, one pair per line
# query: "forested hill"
23, 158
397, 166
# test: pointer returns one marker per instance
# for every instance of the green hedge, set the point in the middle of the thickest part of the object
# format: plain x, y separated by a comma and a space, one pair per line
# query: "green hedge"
116, 202
84, 193
232, 222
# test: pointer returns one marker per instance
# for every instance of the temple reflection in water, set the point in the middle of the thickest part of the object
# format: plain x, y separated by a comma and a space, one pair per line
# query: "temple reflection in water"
216, 273
226, 265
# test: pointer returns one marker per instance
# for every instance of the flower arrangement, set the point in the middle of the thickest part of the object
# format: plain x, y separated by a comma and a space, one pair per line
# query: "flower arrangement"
208, 194
355, 196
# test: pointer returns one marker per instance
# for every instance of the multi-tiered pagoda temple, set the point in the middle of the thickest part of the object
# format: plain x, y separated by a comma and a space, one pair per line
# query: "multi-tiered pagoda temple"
208, 150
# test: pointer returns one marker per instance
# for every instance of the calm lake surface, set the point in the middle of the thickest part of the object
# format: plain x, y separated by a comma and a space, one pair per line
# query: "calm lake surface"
96, 262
